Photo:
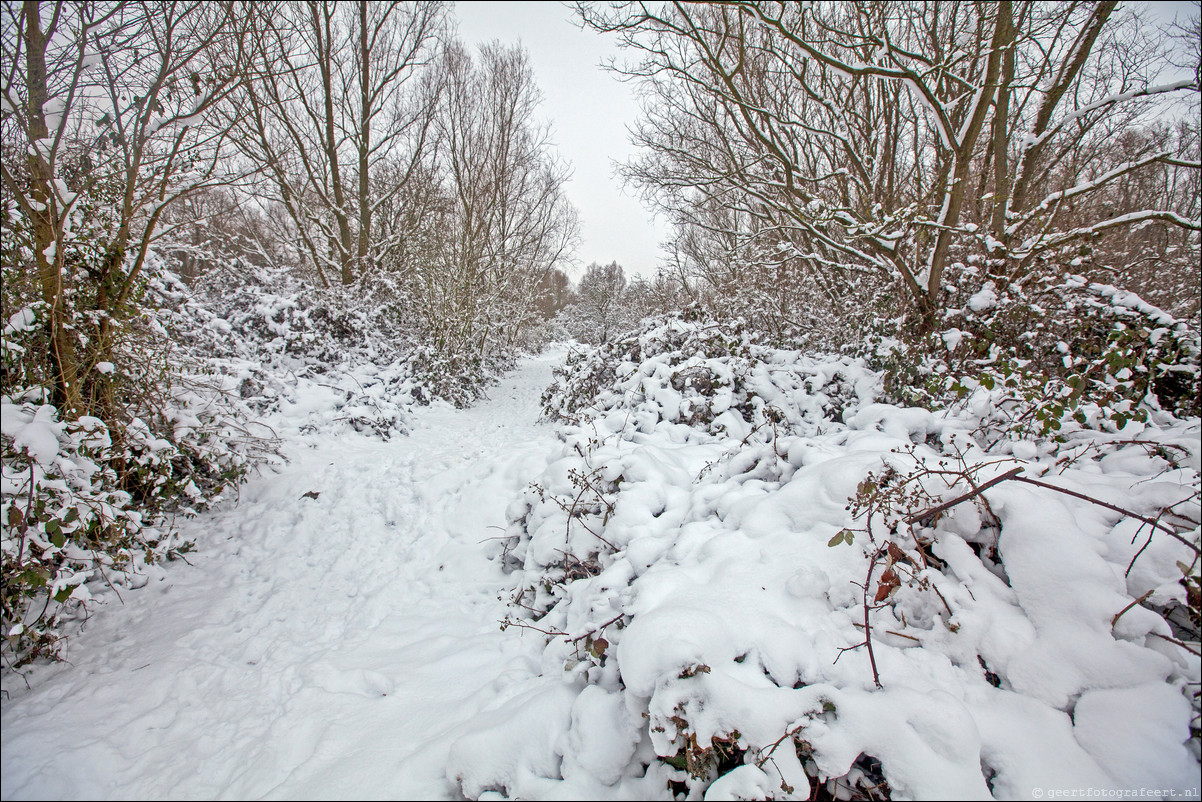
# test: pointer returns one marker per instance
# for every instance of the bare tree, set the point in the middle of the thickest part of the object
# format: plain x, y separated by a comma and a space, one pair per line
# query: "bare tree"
335, 97
600, 301
881, 138
508, 223
553, 293
111, 103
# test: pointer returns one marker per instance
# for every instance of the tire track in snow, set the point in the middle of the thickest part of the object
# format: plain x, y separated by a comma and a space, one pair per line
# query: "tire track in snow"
328, 647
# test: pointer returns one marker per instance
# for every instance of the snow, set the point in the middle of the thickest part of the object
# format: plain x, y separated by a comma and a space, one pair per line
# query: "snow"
675, 594
37, 434
952, 338
745, 782
53, 111
321, 647
984, 299
20, 322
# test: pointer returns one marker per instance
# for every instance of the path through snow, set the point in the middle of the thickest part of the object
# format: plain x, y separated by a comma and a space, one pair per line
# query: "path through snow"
328, 647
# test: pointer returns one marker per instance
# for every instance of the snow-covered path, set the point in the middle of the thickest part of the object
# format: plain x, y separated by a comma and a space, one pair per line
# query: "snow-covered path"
321, 647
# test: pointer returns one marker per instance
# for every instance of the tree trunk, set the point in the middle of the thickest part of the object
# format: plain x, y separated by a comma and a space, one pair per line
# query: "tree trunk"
48, 255
325, 51
364, 140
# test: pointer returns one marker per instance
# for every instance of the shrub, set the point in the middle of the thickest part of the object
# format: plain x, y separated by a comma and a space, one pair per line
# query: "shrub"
784, 596
1032, 357
87, 501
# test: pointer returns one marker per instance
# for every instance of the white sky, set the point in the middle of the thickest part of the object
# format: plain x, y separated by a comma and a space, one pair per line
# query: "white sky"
588, 109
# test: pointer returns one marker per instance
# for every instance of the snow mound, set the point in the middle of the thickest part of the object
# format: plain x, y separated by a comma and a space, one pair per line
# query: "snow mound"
735, 544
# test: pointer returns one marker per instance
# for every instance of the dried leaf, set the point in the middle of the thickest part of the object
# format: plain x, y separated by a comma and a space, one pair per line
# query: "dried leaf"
888, 584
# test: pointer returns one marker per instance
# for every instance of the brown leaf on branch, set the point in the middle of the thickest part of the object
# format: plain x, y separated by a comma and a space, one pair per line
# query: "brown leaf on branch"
888, 584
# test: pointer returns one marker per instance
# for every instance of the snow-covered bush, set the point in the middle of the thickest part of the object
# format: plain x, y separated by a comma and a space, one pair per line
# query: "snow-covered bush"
87, 501
273, 324
746, 604
679, 370
1035, 355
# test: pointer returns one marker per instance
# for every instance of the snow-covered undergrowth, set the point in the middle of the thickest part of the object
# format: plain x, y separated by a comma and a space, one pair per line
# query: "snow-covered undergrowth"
1048, 348
209, 379
749, 590
89, 503
290, 348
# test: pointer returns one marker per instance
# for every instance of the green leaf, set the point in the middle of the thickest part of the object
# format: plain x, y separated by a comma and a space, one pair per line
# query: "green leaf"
34, 577
842, 536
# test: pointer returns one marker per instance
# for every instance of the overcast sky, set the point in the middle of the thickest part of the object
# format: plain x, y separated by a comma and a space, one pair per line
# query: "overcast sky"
589, 110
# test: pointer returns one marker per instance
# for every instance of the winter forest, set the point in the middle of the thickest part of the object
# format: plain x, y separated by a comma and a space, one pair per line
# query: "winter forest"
331, 471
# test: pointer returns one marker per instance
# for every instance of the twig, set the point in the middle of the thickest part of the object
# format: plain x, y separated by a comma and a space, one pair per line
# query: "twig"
946, 606
1147, 543
876, 677
976, 491
764, 758
1185, 646
1014, 474
1149, 521
891, 632
25, 517
591, 632
1140, 600
902, 635
513, 622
